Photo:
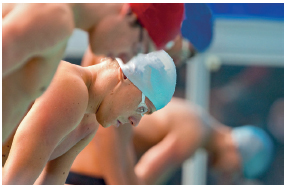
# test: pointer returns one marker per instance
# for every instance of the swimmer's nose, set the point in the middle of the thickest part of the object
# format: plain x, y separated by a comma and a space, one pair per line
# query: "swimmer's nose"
134, 121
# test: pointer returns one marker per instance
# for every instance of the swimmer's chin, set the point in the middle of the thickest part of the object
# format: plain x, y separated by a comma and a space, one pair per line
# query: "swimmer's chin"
105, 125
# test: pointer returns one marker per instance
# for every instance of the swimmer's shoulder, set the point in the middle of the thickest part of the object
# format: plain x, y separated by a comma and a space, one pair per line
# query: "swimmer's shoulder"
74, 73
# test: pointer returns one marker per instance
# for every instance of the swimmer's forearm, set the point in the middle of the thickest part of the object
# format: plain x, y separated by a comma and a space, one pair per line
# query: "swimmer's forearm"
26, 159
15, 175
57, 170
113, 170
28, 155
49, 120
158, 161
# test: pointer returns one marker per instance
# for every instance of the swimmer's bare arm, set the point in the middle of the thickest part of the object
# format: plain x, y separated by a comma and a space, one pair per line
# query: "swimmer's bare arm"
30, 29
57, 170
114, 158
159, 162
57, 112
131, 175
6, 146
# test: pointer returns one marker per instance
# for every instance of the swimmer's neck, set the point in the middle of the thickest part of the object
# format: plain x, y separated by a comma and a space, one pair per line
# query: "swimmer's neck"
102, 80
89, 15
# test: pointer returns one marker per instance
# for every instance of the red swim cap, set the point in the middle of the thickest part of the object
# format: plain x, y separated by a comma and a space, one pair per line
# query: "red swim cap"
161, 20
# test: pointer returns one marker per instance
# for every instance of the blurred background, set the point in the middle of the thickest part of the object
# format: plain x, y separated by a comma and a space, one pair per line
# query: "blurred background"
239, 79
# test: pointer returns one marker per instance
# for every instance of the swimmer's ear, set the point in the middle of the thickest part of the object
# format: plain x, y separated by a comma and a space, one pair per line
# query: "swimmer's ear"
125, 9
121, 75
127, 12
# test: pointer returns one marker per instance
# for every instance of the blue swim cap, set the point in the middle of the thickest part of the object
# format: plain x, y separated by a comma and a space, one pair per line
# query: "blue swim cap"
154, 74
198, 25
255, 148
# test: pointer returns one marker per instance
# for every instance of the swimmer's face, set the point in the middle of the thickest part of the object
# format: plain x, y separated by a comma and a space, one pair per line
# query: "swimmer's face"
121, 105
119, 35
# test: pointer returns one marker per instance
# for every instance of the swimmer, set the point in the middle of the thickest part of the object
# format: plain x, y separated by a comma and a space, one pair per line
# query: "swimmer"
109, 158
196, 33
164, 140
33, 47
65, 118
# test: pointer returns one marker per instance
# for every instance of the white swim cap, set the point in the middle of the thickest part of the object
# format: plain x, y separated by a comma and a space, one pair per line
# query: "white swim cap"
154, 74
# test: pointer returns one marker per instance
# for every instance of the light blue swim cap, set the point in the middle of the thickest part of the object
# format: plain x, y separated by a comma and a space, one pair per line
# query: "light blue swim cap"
255, 148
154, 74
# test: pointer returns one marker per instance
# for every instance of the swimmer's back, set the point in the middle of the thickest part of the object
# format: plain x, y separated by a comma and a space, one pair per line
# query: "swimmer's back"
33, 30
34, 38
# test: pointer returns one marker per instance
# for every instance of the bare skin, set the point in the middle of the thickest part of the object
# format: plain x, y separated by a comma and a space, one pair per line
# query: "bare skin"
161, 142
65, 118
109, 156
28, 68
39, 156
33, 48
166, 139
